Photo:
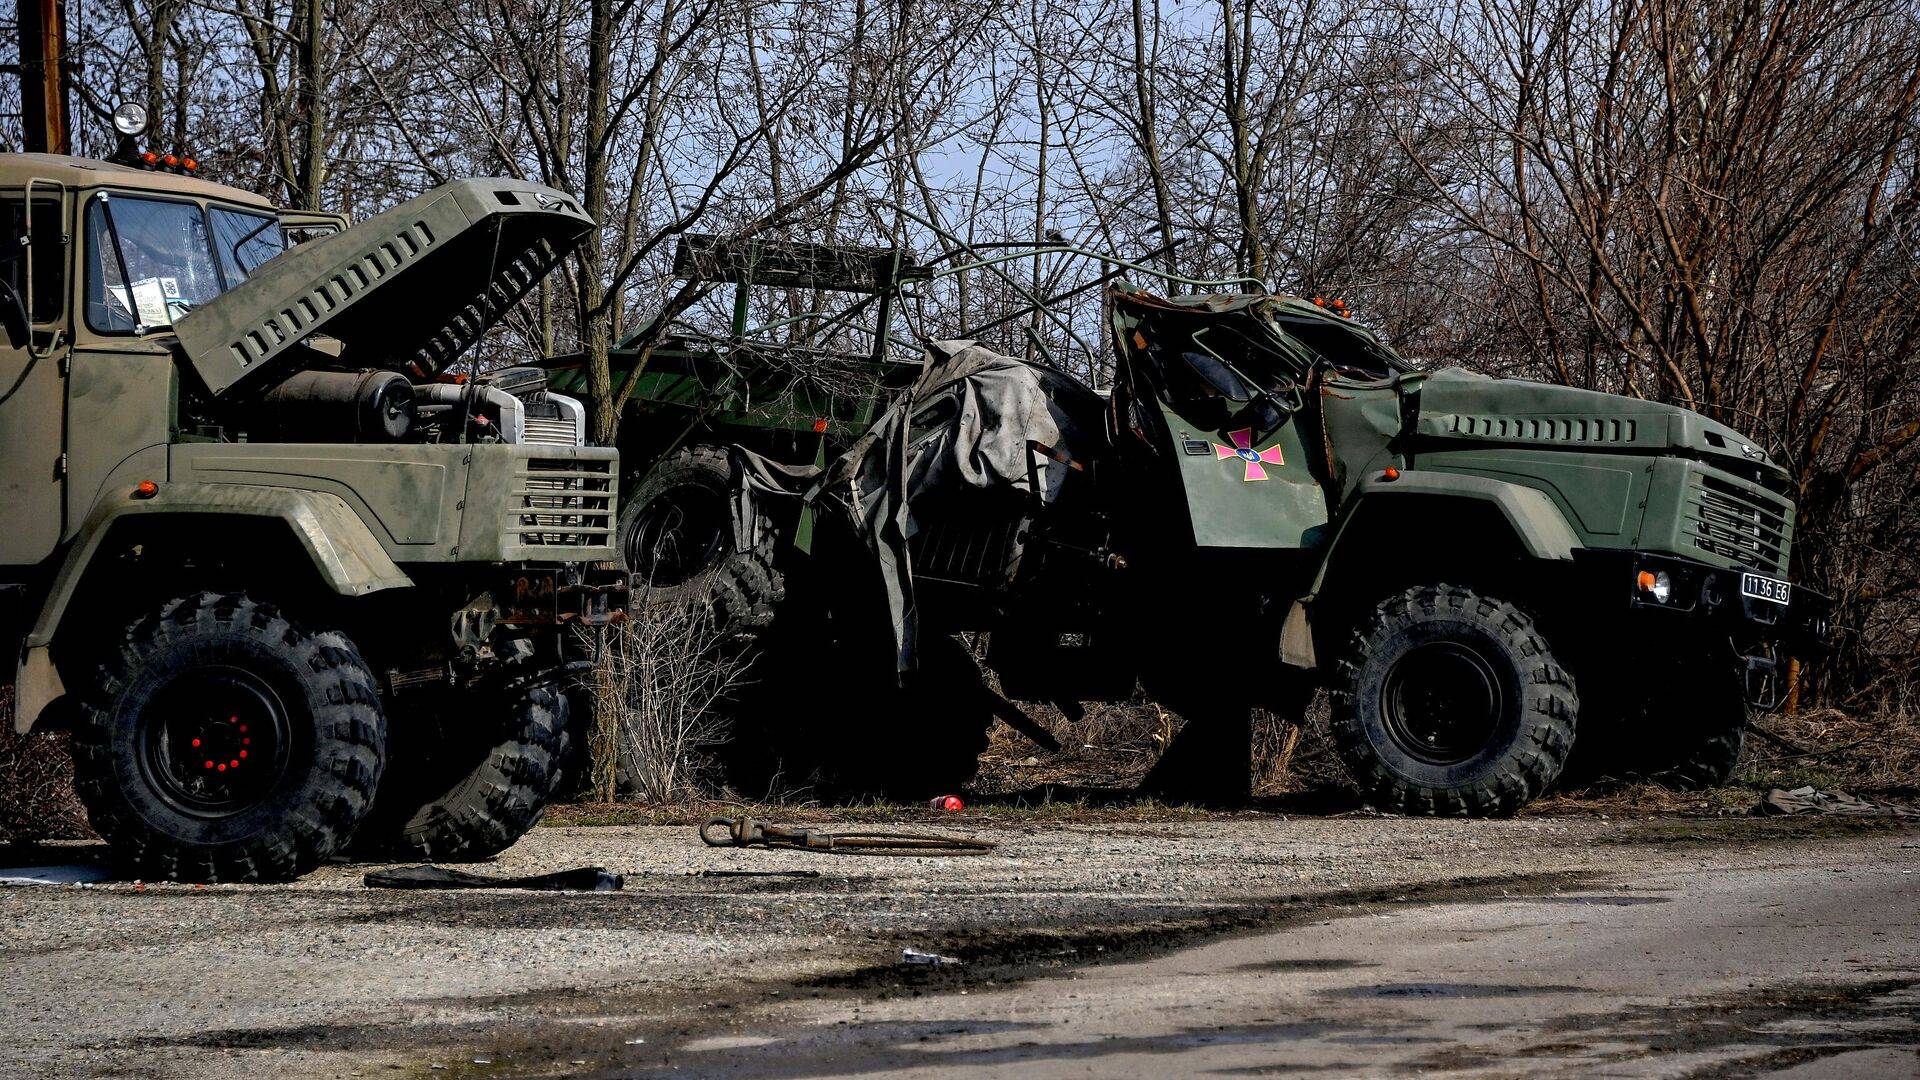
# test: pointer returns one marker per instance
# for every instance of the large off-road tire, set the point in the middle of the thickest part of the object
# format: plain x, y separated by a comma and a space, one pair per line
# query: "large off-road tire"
675, 527
1680, 721
469, 778
745, 593
1450, 702
223, 742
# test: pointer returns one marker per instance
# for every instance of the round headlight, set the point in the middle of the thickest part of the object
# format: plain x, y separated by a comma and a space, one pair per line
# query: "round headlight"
130, 119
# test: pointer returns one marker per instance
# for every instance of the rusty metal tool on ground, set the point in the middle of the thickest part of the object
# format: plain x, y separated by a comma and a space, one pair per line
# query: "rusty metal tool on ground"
746, 832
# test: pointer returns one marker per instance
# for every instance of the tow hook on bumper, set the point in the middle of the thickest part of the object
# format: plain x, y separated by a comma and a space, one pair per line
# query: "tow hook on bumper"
1761, 681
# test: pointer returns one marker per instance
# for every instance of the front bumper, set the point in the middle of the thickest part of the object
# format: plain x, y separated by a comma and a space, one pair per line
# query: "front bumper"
1708, 599
1711, 595
556, 596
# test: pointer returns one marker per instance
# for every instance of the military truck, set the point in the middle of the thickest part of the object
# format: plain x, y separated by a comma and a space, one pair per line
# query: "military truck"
1495, 578
788, 394
288, 583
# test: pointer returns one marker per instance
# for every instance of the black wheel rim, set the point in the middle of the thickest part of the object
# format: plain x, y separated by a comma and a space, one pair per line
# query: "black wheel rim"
215, 742
678, 535
1443, 702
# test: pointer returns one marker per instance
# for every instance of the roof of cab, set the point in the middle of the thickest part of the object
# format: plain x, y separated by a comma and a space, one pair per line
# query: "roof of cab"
79, 172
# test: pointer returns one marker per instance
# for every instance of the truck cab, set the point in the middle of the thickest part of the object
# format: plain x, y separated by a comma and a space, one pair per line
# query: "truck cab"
217, 441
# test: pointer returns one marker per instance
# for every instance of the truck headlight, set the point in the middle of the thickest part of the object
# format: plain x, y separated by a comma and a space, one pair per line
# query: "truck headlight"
1655, 584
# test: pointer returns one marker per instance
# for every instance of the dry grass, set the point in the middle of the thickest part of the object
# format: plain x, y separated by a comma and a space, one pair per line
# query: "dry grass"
36, 784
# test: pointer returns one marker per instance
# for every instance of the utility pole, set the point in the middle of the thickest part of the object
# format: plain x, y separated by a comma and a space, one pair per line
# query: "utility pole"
43, 76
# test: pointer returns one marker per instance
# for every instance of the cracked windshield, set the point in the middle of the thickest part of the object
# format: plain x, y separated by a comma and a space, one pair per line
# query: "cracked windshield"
150, 261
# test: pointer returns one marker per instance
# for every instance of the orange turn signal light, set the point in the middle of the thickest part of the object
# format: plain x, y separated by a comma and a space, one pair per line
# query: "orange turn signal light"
1390, 473
820, 426
1645, 580
145, 489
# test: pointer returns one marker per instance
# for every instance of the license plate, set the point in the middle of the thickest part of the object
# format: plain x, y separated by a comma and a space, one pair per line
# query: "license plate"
1765, 588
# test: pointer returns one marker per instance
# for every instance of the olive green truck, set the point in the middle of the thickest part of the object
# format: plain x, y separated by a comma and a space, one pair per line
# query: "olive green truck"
289, 585
1500, 583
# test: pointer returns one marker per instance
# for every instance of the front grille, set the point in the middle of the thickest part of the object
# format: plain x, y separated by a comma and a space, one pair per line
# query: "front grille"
563, 502
1733, 523
551, 431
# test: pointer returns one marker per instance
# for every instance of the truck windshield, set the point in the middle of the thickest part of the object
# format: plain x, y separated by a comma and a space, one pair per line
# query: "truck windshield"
149, 261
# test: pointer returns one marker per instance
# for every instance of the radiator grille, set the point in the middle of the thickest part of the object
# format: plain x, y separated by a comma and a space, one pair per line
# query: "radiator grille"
563, 502
1736, 524
552, 431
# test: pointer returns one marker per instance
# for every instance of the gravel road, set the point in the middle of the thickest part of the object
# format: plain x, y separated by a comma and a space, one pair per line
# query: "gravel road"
779, 963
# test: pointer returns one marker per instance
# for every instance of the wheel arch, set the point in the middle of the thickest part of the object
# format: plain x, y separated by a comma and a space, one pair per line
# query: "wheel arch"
305, 539
1425, 527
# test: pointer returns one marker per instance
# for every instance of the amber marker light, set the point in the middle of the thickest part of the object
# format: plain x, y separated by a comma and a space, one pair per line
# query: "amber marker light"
145, 489
1390, 473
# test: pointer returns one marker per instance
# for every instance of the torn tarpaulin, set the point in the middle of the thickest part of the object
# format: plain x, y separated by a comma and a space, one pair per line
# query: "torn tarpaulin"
970, 421
579, 879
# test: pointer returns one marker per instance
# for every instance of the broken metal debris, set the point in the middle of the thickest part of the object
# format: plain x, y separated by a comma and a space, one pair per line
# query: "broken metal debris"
911, 955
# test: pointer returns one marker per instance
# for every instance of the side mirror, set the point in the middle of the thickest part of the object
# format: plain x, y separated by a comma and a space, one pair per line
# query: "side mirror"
13, 316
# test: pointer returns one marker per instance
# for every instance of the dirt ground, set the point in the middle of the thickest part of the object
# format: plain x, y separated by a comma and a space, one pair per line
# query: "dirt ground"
1131, 943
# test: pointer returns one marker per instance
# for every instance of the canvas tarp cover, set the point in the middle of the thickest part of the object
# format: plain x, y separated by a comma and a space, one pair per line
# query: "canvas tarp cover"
969, 421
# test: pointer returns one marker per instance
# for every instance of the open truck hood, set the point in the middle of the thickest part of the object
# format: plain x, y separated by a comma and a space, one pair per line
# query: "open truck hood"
407, 289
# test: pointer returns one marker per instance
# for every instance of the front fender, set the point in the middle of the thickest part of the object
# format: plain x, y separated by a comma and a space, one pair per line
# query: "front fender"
342, 549
1537, 524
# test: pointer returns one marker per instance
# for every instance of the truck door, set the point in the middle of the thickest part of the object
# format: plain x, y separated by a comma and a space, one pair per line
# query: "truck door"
33, 265
1221, 394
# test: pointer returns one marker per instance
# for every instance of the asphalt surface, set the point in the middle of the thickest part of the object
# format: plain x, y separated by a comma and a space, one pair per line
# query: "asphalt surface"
1239, 946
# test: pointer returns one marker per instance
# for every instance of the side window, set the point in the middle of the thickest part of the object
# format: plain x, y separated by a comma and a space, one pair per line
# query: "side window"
48, 257
243, 241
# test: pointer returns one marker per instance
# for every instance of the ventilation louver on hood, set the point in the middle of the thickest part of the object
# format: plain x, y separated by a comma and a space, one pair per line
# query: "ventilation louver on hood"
407, 289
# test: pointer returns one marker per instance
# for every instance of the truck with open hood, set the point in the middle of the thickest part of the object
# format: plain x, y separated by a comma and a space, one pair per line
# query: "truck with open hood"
288, 582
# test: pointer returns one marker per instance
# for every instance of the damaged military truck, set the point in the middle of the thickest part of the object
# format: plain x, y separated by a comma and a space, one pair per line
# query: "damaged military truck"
1493, 577
288, 585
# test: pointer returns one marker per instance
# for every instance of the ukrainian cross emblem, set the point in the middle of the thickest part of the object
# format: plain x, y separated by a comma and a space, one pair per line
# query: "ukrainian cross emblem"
1242, 448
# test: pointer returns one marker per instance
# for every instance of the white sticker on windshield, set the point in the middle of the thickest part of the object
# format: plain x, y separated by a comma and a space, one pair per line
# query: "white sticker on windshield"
150, 302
